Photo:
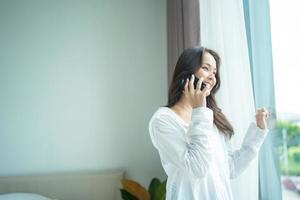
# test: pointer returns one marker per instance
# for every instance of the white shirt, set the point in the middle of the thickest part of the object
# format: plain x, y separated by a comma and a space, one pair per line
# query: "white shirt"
196, 157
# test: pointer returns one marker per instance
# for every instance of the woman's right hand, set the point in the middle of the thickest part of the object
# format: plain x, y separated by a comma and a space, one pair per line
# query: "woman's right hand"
195, 97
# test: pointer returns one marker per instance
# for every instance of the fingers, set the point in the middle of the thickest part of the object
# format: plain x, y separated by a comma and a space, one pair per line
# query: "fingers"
261, 118
265, 111
262, 112
206, 89
199, 83
186, 85
191, 83
198, 86
189, 86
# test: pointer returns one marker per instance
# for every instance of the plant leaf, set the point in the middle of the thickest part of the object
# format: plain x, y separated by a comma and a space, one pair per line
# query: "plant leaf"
163, 197
155, 182
136, 189
160, 192
127, 196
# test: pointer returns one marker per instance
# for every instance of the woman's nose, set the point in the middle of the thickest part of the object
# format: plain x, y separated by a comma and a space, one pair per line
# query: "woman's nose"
211, 76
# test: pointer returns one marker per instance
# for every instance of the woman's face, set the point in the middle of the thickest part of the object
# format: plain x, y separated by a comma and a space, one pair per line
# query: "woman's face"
208, 70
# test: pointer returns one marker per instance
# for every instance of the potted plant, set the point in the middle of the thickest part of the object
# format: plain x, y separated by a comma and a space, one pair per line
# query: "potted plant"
132, 190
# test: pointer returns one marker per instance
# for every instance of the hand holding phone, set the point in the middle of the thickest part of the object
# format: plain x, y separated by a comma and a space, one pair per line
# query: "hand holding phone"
203, 85
183, 81
192, 94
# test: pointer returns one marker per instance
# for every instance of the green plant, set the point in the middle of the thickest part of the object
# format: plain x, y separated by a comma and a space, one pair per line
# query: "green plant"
292, 130
132, 190
294, 153
293, 165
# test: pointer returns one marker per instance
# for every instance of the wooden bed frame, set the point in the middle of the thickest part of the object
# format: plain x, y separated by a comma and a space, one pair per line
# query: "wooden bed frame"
96, 185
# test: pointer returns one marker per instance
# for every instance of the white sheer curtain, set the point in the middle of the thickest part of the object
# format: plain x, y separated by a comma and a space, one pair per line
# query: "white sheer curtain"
222, 28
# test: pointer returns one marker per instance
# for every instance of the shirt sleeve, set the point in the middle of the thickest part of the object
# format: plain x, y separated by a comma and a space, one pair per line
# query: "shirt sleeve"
194, 156
240, 159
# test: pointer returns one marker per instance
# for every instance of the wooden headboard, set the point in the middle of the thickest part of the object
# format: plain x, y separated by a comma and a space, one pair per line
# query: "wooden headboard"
67, 186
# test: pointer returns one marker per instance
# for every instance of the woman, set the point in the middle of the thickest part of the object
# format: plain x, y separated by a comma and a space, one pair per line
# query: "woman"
192, 134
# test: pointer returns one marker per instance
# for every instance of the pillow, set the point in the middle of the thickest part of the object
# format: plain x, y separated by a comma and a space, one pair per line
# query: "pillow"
22, 196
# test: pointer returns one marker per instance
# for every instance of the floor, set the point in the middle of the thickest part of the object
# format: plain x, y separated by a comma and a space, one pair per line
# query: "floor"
289, 195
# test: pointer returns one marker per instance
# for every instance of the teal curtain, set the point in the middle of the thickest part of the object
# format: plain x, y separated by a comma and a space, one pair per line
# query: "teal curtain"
257, 21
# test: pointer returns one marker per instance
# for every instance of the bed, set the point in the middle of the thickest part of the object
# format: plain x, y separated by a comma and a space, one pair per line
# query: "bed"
96, 185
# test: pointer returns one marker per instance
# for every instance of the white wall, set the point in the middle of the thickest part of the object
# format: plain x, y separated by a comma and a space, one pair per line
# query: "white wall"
79, 81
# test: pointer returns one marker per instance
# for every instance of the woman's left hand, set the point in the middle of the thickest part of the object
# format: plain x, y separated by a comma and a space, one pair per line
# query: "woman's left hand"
261, 116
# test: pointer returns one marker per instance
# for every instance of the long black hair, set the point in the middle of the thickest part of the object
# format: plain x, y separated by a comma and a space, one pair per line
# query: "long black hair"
187, 64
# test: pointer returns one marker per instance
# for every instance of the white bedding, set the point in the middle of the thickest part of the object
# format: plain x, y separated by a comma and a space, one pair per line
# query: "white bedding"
91, 185
22, 196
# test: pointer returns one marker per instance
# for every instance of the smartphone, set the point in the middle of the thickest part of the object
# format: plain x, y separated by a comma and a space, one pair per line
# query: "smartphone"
203, 85
183, 81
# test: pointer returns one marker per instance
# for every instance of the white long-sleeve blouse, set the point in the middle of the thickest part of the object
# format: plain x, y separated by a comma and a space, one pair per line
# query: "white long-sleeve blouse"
196, 157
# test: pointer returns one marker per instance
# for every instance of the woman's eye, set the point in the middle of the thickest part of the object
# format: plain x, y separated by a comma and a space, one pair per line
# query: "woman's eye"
205, 68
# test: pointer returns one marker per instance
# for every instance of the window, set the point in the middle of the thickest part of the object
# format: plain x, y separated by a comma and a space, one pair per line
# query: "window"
285, 18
